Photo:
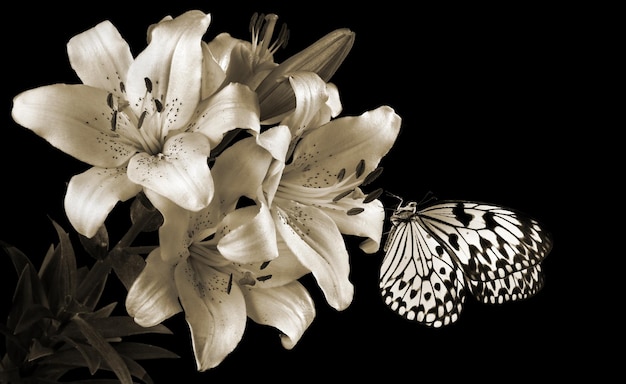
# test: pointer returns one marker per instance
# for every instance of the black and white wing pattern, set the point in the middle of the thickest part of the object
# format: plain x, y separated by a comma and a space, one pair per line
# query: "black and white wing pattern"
435, 255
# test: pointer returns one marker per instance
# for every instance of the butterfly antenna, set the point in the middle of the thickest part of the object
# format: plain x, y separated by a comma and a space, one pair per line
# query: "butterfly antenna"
428, 198
397, 197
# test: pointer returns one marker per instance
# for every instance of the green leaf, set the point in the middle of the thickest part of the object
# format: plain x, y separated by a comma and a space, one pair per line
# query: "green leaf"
9, 374
108, 353
93, 290
90, 291
48, 373
127, 266
72, 357
58, 272
38, 351
141, 351
96, 381
29, 292
138, 371
19, 259
13, 343
31, 315
80, 355
22, 297
98, 245
104, 311
121, 326
73, 307
92, 285
26, 297
115, 327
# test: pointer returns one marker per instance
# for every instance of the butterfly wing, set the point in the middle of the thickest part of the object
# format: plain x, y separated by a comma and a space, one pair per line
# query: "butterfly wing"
499, 249
514, 286
418, 278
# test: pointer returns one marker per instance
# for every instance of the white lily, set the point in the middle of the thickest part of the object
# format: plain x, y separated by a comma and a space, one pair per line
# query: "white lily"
139, 122
318, 197
228, 59
237, 273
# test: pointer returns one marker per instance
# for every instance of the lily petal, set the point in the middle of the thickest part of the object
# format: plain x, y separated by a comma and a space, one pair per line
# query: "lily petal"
101, 57
174, 237
311, 97
289, 309
330, 110
82, 132
151, 27
215, 311
368, 223
234, 106
92, 194
251, 235
220, 48
242, 167
333, 103
173, 64
213, 67
236, 59
181, 173
282, 270
241, 69
276, 141
153, 297
239, 171
348, 143
204, 222
314, 238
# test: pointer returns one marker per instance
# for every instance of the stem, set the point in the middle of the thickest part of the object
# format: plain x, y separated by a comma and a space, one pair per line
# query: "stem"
135, 229
126, 260
141, 250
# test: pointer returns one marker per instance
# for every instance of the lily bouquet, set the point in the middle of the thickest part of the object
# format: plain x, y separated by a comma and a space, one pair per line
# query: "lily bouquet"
242, 167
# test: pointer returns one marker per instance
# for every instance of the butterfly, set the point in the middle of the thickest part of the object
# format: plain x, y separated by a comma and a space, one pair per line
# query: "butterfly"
438, 251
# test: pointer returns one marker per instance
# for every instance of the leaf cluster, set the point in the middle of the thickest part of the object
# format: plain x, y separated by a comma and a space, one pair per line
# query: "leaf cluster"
56, 326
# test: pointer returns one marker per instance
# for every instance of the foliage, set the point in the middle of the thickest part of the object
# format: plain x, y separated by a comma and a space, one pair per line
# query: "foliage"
57, 323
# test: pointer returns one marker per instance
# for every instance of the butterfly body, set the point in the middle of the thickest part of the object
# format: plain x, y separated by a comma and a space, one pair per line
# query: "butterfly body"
435, 255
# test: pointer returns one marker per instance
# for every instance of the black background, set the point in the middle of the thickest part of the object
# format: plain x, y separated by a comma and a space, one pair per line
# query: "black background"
486, 97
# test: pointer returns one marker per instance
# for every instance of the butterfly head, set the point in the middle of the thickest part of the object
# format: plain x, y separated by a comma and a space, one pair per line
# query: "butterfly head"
405, 212
410, 207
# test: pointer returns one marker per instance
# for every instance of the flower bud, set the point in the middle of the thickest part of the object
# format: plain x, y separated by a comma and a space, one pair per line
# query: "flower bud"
322, 57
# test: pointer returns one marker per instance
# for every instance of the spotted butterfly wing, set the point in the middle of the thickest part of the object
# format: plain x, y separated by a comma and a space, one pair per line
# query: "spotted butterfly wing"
435, 255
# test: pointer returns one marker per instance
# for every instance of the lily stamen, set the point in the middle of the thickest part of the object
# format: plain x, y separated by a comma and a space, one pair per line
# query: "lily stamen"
282, 39
372, 176
354, 211
141, 118
110, 100
114, 121
158, 104
342, 195
262, 26
360, 168
120, 118
341, 174
150, 143
375, 194
148, 84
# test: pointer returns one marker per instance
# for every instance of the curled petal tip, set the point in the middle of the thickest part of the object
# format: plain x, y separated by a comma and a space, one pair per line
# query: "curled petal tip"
322, 57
